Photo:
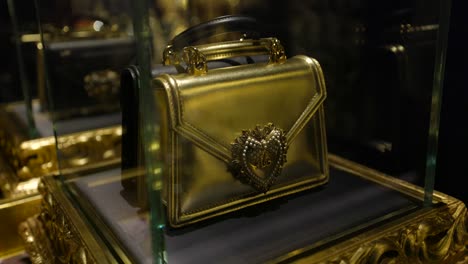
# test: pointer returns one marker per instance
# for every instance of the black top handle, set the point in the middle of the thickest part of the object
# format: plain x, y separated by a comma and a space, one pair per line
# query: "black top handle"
244, 25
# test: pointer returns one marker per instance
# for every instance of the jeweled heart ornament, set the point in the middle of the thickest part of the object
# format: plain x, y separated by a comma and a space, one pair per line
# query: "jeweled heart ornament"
258, 156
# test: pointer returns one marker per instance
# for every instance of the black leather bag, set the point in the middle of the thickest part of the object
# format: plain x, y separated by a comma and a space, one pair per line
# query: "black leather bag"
83, 75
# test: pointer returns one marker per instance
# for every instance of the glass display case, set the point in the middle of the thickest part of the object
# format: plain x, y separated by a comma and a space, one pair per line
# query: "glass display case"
18, 124
246, 131
63, 97
19, 117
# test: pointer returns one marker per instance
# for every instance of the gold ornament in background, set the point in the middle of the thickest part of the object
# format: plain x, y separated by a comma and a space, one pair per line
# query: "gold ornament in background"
102, 85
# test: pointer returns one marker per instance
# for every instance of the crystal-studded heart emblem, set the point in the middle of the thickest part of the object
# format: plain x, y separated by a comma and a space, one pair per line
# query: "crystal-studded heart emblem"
258, 156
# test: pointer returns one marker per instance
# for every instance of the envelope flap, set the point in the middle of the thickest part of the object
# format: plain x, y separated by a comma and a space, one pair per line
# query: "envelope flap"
212, 110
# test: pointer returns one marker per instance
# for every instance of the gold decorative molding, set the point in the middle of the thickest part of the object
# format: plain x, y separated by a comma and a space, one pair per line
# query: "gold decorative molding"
38, 157
11, 186
12, 212
67, 247
463, 261
35, 241
23, 159
438, 237
8, 180
436, 234
58, 234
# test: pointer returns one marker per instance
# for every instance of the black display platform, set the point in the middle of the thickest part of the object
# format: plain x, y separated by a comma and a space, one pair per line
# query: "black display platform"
254, 235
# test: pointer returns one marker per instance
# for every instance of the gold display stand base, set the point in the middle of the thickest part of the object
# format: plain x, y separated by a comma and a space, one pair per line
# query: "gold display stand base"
12, 213
23, 161
58, 234
434, 234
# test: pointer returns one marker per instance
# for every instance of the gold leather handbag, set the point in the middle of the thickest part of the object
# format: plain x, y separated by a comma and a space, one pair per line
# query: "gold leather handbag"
241, 135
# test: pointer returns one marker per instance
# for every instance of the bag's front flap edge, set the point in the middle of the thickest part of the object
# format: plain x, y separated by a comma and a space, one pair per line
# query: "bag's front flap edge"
217, 149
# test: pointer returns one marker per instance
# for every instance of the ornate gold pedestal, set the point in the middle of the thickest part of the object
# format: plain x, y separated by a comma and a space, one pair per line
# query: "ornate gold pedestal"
58, 234
12, 213
23, 161
435, 234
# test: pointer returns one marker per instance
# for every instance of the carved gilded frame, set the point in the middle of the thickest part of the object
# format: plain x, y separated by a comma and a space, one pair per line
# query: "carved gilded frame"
23, 160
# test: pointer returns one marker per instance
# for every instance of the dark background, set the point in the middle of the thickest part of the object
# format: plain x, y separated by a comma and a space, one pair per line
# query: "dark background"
452, 169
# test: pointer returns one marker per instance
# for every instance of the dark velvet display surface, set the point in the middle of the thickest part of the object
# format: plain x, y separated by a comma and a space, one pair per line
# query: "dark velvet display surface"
43, 122
64, 127
45, 127
253, 235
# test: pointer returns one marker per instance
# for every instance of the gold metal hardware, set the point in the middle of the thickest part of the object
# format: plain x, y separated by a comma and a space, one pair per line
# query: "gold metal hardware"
195, 60
258, 156
277, 53
196, 57
170, 56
